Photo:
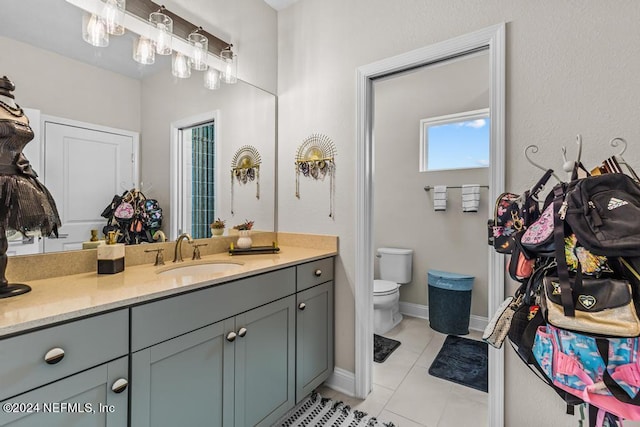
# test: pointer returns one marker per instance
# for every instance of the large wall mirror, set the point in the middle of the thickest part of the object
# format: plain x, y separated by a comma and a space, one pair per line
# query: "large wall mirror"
73, 85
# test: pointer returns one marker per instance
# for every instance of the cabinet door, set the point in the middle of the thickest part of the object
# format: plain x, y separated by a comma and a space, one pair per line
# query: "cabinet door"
185, 381
314, 338
86, 399
265, 363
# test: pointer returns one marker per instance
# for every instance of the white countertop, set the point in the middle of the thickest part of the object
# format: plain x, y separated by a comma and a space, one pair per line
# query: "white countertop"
68, 297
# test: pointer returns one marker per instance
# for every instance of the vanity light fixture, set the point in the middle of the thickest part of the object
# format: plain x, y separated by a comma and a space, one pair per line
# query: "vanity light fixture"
144, 51
163, 25
113, 15
180, 66
200, 45
212, 79
94, 30
230, 67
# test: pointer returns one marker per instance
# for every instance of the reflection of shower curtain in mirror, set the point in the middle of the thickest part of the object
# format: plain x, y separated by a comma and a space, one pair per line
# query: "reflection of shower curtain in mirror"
202, 179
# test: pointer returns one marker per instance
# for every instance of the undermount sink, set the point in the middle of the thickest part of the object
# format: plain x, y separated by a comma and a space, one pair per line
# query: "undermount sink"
200, 269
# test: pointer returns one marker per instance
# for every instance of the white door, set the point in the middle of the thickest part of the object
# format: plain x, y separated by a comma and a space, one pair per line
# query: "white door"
85, 168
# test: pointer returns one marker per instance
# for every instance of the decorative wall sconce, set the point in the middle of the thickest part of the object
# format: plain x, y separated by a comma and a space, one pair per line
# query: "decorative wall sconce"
161, 32
316, 159
113, 15
94, 30
245, 167
163, 25
230, 70
200, 45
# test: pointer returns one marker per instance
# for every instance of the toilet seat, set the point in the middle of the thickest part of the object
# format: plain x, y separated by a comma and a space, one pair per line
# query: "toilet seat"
384, 287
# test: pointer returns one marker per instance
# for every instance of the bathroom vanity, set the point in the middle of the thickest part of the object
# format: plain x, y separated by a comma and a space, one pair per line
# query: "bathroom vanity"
236, 348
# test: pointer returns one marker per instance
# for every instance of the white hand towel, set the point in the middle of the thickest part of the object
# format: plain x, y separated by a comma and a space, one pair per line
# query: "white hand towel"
470, 197
440, 198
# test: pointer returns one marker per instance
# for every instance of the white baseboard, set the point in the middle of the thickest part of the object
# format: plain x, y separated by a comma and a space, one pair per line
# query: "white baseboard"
477, 323
342, 381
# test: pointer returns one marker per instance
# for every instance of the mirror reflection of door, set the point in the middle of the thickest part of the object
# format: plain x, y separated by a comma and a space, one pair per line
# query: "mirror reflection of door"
198, 153
84, 169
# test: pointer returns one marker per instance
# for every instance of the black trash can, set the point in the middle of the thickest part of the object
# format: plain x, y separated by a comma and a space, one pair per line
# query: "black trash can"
449, 302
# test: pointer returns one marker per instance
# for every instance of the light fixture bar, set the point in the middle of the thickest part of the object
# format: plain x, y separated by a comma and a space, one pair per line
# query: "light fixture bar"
139, 24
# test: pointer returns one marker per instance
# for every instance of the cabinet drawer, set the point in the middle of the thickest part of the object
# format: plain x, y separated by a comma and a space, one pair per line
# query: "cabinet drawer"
165, 319
315, 272
85, 343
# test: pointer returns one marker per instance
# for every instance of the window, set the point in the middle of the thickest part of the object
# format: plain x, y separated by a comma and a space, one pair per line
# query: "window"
456, 141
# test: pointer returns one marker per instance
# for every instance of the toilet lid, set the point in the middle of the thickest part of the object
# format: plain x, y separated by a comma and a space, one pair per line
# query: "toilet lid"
384, 287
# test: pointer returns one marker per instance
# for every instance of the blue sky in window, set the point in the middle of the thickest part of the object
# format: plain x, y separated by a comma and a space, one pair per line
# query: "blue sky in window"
459, 145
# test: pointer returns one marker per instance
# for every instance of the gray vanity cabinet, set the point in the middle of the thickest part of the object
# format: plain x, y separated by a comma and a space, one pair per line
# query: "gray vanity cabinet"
185, 381
221, 356
265, 363
93, 398
314, 338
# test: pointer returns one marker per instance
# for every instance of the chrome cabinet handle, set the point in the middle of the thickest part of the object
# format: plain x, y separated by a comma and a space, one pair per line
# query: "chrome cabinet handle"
302, 306
318, 273
119, 385
242, 332
54, 356
231, 336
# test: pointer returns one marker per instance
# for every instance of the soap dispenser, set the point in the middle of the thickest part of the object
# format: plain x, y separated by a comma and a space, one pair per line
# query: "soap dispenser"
111, 255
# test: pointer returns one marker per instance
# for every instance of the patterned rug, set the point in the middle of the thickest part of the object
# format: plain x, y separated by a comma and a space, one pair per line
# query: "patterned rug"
317, 411
463, 361
383, 347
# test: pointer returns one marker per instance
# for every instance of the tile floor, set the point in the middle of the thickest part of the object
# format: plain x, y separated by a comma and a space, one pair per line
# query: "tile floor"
404, 392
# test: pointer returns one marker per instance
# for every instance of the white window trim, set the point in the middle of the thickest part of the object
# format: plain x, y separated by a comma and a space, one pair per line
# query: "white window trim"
443, 120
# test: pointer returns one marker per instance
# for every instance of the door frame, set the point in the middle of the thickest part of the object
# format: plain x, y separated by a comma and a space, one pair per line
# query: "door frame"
492, 38
175, 165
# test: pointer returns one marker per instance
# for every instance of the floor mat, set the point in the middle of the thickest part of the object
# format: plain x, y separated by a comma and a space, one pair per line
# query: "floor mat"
383, 347
462, 361
317, 411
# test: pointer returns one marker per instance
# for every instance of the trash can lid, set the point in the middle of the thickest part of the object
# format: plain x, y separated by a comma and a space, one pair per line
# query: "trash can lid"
447, 280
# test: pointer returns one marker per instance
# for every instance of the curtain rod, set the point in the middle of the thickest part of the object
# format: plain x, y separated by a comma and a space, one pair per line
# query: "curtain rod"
430, 187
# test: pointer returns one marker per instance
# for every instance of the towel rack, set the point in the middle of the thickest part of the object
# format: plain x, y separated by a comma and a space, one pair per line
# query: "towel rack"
430, 187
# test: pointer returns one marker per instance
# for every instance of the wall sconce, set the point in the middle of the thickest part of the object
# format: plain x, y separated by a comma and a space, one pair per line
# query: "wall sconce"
94, 30
180, 66
113, 15
163, 25
143, 51
212, 79
200, 45
230, 67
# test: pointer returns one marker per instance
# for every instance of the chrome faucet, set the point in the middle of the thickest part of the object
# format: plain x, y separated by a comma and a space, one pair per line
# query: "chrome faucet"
177, 254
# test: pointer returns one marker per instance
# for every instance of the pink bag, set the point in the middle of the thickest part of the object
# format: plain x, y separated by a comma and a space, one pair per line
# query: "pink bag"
538, 238
574, 364
124, 211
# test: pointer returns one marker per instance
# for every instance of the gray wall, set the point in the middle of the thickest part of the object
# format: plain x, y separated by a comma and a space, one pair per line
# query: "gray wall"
403, 212
247, 117
67, 88
572, 67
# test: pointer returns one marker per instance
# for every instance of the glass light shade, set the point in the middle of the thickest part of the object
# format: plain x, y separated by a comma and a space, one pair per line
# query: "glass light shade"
163, 32
144, 51
180, 66
200, 46
113, 15
94, 30
212, 79
230, 70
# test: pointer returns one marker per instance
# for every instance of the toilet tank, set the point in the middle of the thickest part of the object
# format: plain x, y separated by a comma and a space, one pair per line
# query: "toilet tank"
396, 264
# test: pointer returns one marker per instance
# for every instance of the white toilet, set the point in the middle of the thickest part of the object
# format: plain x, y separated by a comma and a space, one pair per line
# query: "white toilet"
395, 270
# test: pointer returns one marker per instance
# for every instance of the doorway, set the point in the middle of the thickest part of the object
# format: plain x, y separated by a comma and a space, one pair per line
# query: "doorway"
493, 39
